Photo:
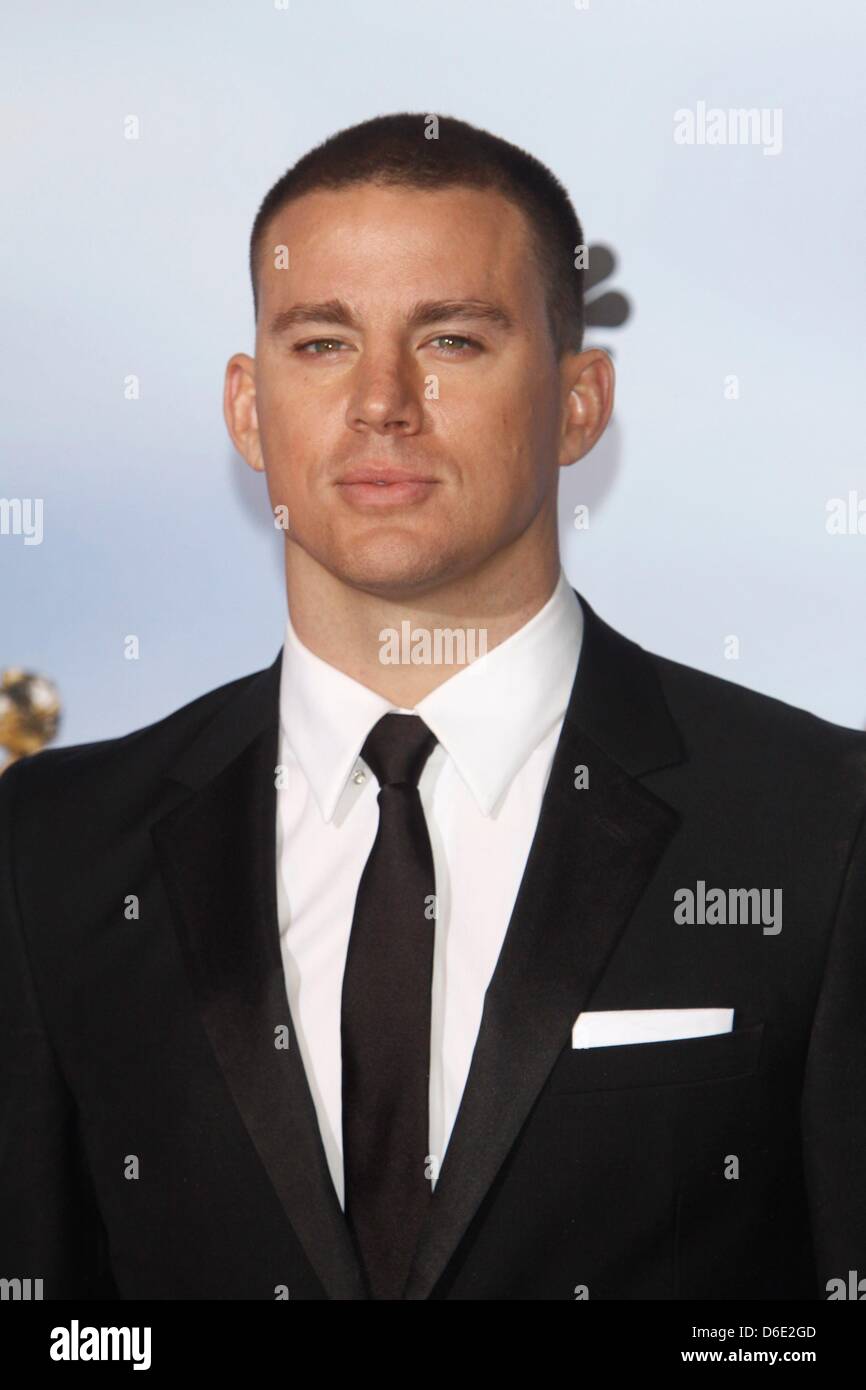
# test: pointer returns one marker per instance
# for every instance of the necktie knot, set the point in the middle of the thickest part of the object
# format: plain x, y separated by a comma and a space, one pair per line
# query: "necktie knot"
397, 748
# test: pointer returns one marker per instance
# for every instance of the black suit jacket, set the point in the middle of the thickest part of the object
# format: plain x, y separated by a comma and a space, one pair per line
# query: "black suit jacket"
147, 1045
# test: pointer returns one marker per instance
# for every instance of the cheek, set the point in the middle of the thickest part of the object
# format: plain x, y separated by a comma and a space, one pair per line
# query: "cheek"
282, 420
518, 414
292, 439
519, 440
490, 430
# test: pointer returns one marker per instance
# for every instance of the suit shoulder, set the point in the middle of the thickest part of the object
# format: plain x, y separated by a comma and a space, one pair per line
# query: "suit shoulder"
709, 707
149, 750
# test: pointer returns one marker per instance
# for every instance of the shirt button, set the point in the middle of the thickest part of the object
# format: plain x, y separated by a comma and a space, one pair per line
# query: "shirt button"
359, 775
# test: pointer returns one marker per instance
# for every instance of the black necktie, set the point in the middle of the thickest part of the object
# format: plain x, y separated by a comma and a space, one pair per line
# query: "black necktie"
385, 1015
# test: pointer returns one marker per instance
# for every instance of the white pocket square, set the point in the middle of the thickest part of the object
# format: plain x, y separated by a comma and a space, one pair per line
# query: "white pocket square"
610, 1028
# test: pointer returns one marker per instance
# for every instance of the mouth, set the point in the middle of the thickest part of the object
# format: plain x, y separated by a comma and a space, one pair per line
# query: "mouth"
384, 487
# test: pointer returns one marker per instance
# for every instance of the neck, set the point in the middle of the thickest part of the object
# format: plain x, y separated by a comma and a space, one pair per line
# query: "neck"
487, 606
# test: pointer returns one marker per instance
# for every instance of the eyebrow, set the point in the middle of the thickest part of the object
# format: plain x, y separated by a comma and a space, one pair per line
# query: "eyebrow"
421, 315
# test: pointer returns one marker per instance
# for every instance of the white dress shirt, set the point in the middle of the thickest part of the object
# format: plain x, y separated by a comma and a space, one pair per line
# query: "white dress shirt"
498, 720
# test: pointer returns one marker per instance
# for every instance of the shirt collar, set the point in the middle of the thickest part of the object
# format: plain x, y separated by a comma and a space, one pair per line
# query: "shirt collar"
489, 716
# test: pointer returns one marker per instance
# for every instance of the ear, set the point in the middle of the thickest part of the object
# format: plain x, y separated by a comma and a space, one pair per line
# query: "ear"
239, 409
588, 388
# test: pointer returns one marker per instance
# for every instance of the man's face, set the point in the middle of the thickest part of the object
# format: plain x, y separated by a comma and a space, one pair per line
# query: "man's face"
363, 370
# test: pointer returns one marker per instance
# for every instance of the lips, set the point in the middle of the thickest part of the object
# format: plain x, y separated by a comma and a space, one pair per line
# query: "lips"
382, 476
367, 487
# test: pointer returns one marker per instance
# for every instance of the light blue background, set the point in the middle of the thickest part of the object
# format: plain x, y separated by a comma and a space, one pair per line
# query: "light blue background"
707, 515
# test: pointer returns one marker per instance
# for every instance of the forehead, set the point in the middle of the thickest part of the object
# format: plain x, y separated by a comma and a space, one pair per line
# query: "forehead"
370, 240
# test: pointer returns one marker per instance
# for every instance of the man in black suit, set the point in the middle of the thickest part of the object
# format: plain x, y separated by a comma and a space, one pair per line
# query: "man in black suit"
366, 976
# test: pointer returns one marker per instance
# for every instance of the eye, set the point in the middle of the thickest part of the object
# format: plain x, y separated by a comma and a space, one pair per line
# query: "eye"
329, 344
466, 343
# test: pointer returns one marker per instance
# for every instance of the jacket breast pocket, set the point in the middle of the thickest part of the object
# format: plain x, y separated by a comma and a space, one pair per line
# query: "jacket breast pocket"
677, 1061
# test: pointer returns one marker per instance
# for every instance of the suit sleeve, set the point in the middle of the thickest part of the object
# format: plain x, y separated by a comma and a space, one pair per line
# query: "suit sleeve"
834, 1095
50, 1227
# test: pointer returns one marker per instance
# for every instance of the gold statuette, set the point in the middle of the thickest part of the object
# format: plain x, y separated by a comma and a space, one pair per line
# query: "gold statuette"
29, 713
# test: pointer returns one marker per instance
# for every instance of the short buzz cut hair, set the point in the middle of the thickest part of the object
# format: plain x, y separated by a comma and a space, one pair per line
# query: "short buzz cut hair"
398, 150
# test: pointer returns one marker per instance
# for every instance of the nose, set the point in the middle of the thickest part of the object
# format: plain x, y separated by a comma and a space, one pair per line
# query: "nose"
386, 394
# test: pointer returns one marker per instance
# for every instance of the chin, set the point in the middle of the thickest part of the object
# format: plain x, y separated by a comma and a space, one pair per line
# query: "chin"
393, 569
